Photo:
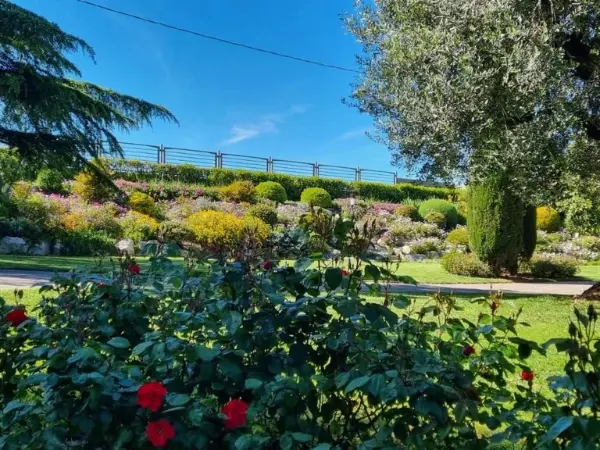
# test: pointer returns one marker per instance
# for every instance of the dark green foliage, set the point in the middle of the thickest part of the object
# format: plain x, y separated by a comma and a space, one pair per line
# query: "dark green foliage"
441, 206
23, 228
271, 190
86, 243
529, 233
266, 213
50, 181
132, 170
553, 267
316, 197
465, 264
496, 224
436, 218
48, 118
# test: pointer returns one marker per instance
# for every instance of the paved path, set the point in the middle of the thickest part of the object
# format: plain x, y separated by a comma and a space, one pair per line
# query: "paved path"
11, 279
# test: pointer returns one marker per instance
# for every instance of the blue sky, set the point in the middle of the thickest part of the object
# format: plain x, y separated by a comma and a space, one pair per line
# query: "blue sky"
227, 98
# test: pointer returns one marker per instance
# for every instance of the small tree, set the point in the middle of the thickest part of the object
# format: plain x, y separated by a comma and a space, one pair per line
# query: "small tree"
46, 116
495, 221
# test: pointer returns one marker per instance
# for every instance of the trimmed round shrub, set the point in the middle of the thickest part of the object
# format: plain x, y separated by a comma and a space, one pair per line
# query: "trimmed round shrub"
529, 233
465, 264
139, 226
225, 232
591, 243
238, 192
495, 223
441, 206
316, 197
266, 213
409, 211
458, 236
50, 181
554, 267
548, 219
142, 203
436, 218
271, 190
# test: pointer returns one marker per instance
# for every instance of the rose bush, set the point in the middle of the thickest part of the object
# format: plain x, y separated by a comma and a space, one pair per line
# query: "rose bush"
243, 356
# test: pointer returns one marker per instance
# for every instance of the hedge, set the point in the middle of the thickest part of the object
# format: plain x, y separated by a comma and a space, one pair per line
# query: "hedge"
133, 170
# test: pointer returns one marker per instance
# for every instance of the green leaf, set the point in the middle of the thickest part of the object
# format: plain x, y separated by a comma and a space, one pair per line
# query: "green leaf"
233, 321
231, 369
177, 399
357, 383
559, 426
253, 384
244, 442
125, 436
333, 277
286, 442
372, 272
119, 342
302, 437
377, 384
322, 447
141, 348
205, 353
400, 301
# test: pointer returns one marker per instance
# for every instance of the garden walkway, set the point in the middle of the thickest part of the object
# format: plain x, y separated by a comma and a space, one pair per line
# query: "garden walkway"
11, 279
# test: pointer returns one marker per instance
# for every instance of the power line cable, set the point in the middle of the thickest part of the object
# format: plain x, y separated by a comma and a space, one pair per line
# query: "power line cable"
218, 39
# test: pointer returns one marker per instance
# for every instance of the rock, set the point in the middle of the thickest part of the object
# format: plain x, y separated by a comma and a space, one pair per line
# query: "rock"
414, 258
433, 255
41, 249
126, 247
13, 245
406, 249
397, 251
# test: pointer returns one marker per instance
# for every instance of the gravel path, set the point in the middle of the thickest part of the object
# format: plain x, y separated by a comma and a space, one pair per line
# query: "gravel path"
11, 279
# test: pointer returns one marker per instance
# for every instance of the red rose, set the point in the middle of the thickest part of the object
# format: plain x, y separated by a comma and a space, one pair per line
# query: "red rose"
160, 432
151, 395
268, 264
235, 411
468, 350
527, 375
134, 269
494, 306
16, 317
344, 272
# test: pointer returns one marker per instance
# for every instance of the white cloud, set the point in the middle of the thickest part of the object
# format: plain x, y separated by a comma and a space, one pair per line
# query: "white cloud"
351, 134
265, 125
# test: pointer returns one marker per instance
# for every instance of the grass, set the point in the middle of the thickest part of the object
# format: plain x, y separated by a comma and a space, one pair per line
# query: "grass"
548, 317
423, 272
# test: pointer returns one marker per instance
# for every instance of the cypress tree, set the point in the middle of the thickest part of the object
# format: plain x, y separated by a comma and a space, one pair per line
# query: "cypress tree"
529, 232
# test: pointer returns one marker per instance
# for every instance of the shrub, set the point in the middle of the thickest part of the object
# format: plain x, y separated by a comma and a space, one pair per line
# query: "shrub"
553, 267
495, 223
138, 226
142, 203
239, 191
436, 218
22, 189
316, 197
162, 191
548, 219
529, 233
465, 264
266, 213
50, 181
91, 187
23, 228
352, 208
441, 206
226, 233
86, 242
425, 246
408, 211
404, 231
591, 243
170, 231
458, 236
271, 190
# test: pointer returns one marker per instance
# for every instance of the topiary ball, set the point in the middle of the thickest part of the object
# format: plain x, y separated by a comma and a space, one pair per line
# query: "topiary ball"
548, 219
436, 218
271, 190
407, 211
458, 236
316, 197
441, 206
266, 213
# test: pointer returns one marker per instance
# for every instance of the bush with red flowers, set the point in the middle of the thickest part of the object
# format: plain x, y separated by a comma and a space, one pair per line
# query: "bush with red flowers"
226, 355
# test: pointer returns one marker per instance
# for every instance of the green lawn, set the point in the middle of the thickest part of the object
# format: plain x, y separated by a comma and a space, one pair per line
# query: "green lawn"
548, 317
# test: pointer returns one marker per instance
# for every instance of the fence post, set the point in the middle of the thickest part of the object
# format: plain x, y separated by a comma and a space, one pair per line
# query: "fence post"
219, 160
270, 165
395, 177
316, 169
357, 174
